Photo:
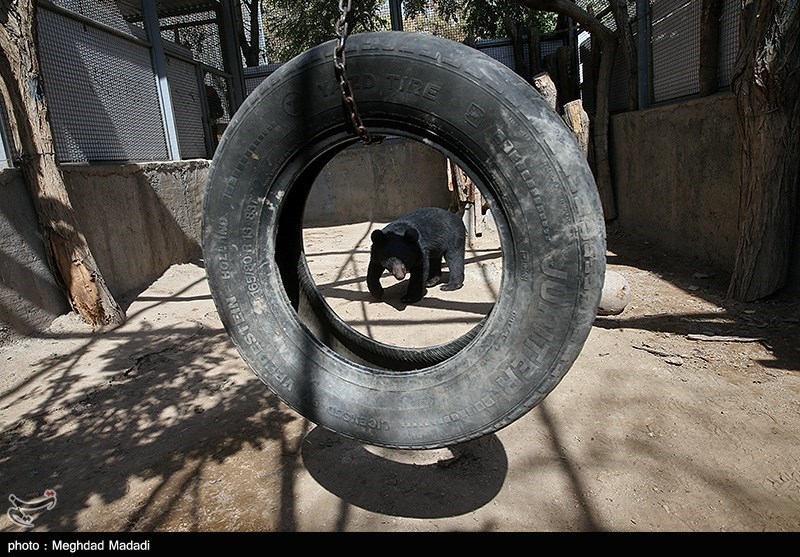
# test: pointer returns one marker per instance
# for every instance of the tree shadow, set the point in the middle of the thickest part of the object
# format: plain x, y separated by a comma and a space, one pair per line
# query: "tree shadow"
774, 322
164, 428
149, 405
146, 425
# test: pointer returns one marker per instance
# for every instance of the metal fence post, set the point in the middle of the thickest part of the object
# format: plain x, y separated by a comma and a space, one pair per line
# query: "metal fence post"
231, 57
396, 15
5, 153
162, 83
644, 52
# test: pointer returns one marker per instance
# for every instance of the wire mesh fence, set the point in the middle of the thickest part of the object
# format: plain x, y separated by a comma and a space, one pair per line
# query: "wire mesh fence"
101, 92
675, 46
97, 65
672, 57
109, 13
188, 106
431, 22
102, 84
729, 40
199, 33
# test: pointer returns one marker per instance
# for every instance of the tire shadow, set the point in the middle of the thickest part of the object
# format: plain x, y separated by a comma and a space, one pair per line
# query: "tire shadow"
413, 484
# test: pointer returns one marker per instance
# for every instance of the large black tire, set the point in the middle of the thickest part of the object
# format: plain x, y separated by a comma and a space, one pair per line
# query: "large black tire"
539, 188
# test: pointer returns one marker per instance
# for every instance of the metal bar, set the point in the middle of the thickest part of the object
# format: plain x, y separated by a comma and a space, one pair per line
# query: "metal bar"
211, 69
230, 53
190, 60
162, 83
5, 155
396, 15
207, 129
49, 6
644, 53
212, 21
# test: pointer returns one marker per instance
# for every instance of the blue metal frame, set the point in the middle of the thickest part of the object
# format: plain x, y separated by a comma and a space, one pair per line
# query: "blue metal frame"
151, 26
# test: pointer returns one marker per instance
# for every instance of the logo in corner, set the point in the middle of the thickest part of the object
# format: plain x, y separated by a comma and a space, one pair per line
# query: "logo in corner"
20, 508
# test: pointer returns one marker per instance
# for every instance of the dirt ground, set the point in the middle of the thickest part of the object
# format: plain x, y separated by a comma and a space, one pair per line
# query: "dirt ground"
681, 414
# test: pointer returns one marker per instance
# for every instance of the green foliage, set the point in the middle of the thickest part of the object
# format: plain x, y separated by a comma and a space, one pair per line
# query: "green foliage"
485, 18
293, 26
443, 18
296, 25
475, 18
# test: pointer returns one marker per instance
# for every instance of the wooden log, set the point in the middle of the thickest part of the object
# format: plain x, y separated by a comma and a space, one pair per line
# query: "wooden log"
534, 51
544, 84
578, 121
608, 45
515, 32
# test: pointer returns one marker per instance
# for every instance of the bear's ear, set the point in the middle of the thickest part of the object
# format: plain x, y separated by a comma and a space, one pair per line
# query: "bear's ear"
378, 237
412, 235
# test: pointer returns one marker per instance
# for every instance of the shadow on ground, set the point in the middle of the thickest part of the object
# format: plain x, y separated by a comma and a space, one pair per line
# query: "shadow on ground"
159, 425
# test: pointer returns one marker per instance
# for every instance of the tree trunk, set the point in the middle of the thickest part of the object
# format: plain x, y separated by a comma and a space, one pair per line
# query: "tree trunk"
515, 32
250, 45
578, 121
544, 84
709, 46
608, 45
620, 10
600, 135
67, 250
767, 91
534, 51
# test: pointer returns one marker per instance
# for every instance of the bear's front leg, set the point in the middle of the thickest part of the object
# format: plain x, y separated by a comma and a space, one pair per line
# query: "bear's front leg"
416, 284
374, 272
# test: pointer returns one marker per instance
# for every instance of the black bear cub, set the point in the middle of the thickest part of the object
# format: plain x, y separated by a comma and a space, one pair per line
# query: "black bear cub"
415, 244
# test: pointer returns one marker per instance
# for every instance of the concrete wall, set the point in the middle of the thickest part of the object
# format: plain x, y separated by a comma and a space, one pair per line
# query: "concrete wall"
378, 183
676, 178
29, 296
139, 219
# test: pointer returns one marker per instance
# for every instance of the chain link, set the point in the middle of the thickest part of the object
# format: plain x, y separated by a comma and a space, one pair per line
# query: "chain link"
341, 75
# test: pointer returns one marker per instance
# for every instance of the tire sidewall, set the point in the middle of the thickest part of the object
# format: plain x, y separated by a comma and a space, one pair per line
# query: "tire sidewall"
541, 193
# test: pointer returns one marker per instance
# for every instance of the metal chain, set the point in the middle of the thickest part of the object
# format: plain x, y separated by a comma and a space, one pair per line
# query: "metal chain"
341, 75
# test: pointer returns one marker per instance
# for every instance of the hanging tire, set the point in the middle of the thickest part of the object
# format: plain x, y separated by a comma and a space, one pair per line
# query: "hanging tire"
538, 186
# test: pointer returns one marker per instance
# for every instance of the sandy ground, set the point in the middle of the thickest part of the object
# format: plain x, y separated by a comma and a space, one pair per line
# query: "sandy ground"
159, 425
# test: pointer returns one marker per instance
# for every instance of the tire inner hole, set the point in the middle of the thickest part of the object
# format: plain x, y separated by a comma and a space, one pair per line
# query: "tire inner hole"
364, 188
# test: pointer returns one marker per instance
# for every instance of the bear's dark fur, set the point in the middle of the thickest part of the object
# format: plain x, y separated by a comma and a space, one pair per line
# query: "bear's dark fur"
415, 244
